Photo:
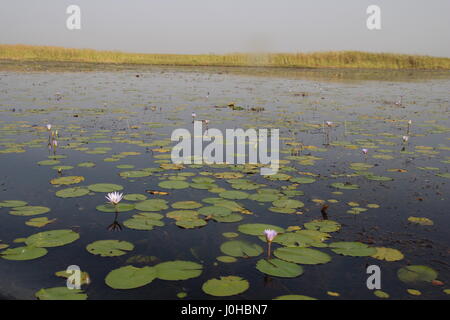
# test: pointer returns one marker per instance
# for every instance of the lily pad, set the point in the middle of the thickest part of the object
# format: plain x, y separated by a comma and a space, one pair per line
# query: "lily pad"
109, 248
53, 238
29, 211
302, 255
345, 186
23, 253
417, 273
130, 277
105, 187
12, 203
279, 268
387, 254
178, 270
39, 222
67, 180
61, 293
239, 248
186, 205
174, 184
72, 192
354, 249
257, 229
152, 205
225, 286
121, 207
294, 297
323, 225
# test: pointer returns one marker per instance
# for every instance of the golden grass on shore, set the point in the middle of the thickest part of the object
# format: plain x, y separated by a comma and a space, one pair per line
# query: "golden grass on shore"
338, 59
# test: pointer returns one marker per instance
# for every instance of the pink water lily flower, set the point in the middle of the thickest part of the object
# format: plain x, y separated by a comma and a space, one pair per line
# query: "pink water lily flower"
365, 151
270, 234
114, 197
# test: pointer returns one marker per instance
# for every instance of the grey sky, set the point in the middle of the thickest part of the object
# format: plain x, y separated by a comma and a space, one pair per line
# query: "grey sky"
223, 26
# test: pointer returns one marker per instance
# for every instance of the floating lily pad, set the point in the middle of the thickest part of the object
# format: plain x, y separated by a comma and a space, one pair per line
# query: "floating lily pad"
12, 203
345, 186
121, 207
67, 180
257, 229
387, 254
135, 197
29, 211
174, 184
39, 222
152, 205
178, 270
416, 273
72, 192
186, 205
354, 249
302, 255
144, 221
279, 268
234, 195
105, 187
323, 225
421, 220
23, 253
53, 238
61, 293
135, 174
130, 277
225, 286
48, 162
288, 203
226, 259
109, 248
239, 248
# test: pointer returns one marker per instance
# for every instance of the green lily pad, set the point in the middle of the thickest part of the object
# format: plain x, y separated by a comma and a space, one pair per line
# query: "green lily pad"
23, 253
48, 162
12, 203
135, 174
302, 180
288, 203
121, 207
109, 248
53, 238
39, 222
323, 225
61, 293
186, 205
279, 268
387, 254
354, 249
226, 259
67, 180
257, 229
239, 248
301, 238
144, 221
105, 187
72, 192
174, 184
178, 270
130, 277
234, 195
191, 223
86, 164
416, 273
264, 197
302, 255
135, 197
225, 286
28, 211
152, 205
214, 211
345, 186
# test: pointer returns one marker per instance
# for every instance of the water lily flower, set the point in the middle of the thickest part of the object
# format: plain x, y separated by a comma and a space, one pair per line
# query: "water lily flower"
55, 143
270, 234
365, 150
114, 197
405, 138
329, 123
194, 115
409, 122
49, 127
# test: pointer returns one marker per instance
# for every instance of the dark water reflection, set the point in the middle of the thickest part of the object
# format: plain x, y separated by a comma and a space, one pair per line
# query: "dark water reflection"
104, 103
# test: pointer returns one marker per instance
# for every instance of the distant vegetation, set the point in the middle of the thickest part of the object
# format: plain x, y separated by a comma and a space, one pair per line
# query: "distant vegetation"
338, 59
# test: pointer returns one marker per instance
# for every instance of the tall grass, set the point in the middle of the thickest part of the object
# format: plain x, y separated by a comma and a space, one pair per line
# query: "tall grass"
333, 59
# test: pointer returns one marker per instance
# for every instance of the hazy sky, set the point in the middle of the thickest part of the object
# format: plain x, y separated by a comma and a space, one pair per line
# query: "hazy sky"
222, 26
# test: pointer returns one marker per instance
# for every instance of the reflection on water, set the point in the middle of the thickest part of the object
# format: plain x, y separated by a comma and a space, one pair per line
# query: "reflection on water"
104, 117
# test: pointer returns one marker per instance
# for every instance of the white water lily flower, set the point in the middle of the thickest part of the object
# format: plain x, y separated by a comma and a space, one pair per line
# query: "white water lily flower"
405, 138
114, 197
270, 234
49, 127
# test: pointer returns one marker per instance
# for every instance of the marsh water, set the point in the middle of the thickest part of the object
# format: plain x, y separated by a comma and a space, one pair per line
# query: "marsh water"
121, 121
